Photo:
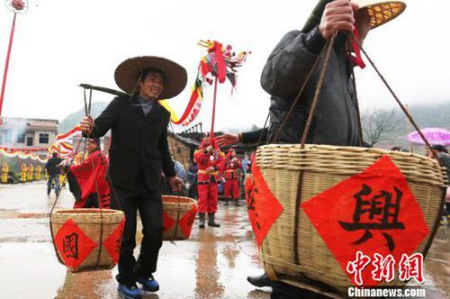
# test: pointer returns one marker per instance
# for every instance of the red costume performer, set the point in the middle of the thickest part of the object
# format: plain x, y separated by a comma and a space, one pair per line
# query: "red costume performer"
210, 161
232, 164
87, 181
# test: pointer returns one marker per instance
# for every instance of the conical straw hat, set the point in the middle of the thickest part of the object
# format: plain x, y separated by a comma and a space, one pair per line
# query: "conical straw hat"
128, 72
380, 12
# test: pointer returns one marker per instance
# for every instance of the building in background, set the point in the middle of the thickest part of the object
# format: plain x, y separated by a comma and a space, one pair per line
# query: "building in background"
28, 132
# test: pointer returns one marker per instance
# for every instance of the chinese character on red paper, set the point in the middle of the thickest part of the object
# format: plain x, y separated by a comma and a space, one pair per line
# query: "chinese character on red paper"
382, 205
262, 205
374, 211
70, 246
411, 267
357, 266
251, 205
384, 268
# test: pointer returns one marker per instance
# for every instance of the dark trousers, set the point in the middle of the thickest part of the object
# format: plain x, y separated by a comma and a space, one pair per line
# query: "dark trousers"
149, 204
51, 178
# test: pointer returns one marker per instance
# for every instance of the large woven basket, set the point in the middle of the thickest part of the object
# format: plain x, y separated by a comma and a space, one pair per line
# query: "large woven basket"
179, 217
87, 239
324, 167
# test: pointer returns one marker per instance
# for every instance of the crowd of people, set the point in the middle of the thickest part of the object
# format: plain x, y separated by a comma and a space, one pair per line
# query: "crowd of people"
28, 172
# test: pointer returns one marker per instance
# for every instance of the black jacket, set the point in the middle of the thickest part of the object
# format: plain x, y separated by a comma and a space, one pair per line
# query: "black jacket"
137, 142
336, 119
444, 159
52, 165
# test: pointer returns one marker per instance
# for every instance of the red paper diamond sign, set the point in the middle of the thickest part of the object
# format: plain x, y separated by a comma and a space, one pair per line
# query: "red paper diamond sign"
168, 222
114, 241
263, 207
73, 245
373, 212
187, 221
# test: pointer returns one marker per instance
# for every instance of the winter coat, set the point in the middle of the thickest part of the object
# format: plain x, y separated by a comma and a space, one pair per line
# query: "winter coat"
335, 121
139, 142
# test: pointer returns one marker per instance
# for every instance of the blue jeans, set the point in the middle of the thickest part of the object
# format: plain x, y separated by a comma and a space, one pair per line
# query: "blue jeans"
51, 178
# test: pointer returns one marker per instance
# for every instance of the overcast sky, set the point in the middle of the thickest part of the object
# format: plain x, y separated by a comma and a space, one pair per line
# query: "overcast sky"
60, 44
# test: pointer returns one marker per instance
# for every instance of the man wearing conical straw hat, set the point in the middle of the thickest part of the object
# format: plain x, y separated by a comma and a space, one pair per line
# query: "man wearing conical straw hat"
336, 118
139, 153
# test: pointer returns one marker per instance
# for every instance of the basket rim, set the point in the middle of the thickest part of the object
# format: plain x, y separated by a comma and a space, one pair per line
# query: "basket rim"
349, 149
177, 200
84, 211
176, 197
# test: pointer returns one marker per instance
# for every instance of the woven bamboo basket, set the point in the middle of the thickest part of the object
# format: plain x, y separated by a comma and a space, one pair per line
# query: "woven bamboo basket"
324, 167
87, 239
179, 214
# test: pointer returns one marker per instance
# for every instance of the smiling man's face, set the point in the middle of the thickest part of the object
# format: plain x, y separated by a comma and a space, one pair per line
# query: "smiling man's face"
151, 87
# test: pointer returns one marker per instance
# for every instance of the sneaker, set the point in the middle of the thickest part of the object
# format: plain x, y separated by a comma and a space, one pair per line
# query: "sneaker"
129, 291
149, 284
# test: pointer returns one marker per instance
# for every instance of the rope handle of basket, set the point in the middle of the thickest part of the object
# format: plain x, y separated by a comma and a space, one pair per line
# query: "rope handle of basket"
274, 139
178, 193
54, 205
408, 115
318, 90
262, 131
328, 49
87, 109
64, 180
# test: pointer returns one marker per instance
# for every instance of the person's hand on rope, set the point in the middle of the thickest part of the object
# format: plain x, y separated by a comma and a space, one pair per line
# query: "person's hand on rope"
87, 125
338, 15
176, 184
228, 139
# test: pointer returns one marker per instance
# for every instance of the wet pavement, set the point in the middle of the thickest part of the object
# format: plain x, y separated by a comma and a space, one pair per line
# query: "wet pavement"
213, 263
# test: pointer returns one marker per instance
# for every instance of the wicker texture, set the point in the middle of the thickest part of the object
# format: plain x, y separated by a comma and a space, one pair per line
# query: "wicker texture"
177, 207
324, 167
97, 226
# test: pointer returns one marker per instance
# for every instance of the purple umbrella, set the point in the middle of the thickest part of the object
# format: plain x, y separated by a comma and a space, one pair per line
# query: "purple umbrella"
433, 135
